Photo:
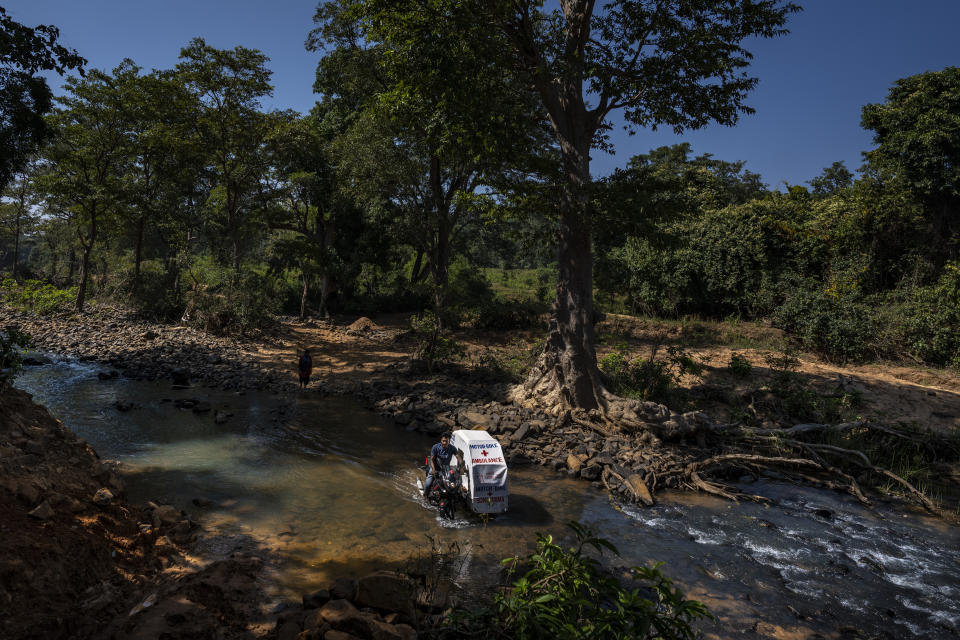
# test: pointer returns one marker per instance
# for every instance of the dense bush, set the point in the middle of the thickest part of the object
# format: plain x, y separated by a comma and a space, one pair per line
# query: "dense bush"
840, 327
933, 319
221, 304
380, 290
154, 295
468, 287
37, 296
433, 346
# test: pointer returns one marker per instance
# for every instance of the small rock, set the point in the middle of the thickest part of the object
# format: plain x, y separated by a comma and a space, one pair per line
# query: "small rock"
316, 599
43, 511
590, 472
166, 514
574, 462
103, 497
201, 407
638, 488
521, 432
220, 417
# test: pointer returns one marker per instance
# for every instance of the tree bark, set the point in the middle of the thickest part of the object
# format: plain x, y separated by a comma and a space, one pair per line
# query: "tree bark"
138, 253
566, 374
440, 263
303, 297
326, 285
85, 261
16, 247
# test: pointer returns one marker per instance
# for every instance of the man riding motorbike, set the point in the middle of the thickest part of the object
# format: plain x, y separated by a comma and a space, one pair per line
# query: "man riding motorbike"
440, 456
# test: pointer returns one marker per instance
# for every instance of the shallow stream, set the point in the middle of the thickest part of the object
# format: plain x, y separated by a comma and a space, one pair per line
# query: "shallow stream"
324, 488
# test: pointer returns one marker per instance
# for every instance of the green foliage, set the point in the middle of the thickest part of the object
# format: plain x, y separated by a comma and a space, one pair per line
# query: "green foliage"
222, 302
468, 287
838, 325
24, 96
739, 365
153, 295
917, 132
649, 379
566, 593
933, 319
13, 343
509, 315
433, 347
378, 289
37, 296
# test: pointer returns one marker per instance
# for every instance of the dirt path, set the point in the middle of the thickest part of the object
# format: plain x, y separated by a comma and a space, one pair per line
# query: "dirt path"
339, 353
889, 391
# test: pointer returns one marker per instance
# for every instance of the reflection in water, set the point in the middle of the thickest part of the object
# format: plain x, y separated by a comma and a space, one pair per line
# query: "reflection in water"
327, 489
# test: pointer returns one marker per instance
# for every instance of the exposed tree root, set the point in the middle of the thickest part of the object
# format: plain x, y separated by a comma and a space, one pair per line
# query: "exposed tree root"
746, 449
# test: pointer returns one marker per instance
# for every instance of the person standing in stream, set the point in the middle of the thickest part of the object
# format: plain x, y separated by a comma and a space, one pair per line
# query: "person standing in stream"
305, 368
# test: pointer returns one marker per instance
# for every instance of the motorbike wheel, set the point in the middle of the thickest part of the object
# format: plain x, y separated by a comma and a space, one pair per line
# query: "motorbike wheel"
446, 509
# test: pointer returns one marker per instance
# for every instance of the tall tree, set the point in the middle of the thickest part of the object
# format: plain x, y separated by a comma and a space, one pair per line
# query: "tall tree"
87, 158
318, 225
678, 63
917, 133
447, 145
229, 85
25, 97
161, 148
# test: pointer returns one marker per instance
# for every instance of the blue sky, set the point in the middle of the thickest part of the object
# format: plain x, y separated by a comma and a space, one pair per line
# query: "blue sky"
840, 55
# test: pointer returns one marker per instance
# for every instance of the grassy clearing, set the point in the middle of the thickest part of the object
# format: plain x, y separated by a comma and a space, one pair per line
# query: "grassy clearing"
522, 284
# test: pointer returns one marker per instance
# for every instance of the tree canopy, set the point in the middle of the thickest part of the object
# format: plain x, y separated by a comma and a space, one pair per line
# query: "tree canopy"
25, 97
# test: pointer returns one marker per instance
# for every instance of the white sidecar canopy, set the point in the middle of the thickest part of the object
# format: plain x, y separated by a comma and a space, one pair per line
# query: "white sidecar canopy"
486, 470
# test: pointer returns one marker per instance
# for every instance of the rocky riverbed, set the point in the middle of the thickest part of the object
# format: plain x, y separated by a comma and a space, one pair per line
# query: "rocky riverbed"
143, 350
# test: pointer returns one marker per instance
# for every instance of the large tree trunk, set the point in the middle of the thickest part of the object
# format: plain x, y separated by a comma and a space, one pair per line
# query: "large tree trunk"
84, 271
566, 374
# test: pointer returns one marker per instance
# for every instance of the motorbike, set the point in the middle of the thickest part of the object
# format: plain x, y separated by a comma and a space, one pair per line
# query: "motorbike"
447, 490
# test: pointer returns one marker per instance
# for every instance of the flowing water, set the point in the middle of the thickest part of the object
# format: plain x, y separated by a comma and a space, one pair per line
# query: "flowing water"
324, 488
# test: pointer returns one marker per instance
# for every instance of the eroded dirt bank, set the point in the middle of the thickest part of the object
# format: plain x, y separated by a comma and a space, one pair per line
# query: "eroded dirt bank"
78, 561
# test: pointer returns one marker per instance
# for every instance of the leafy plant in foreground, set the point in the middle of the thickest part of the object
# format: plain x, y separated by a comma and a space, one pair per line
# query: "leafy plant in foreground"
565, 593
